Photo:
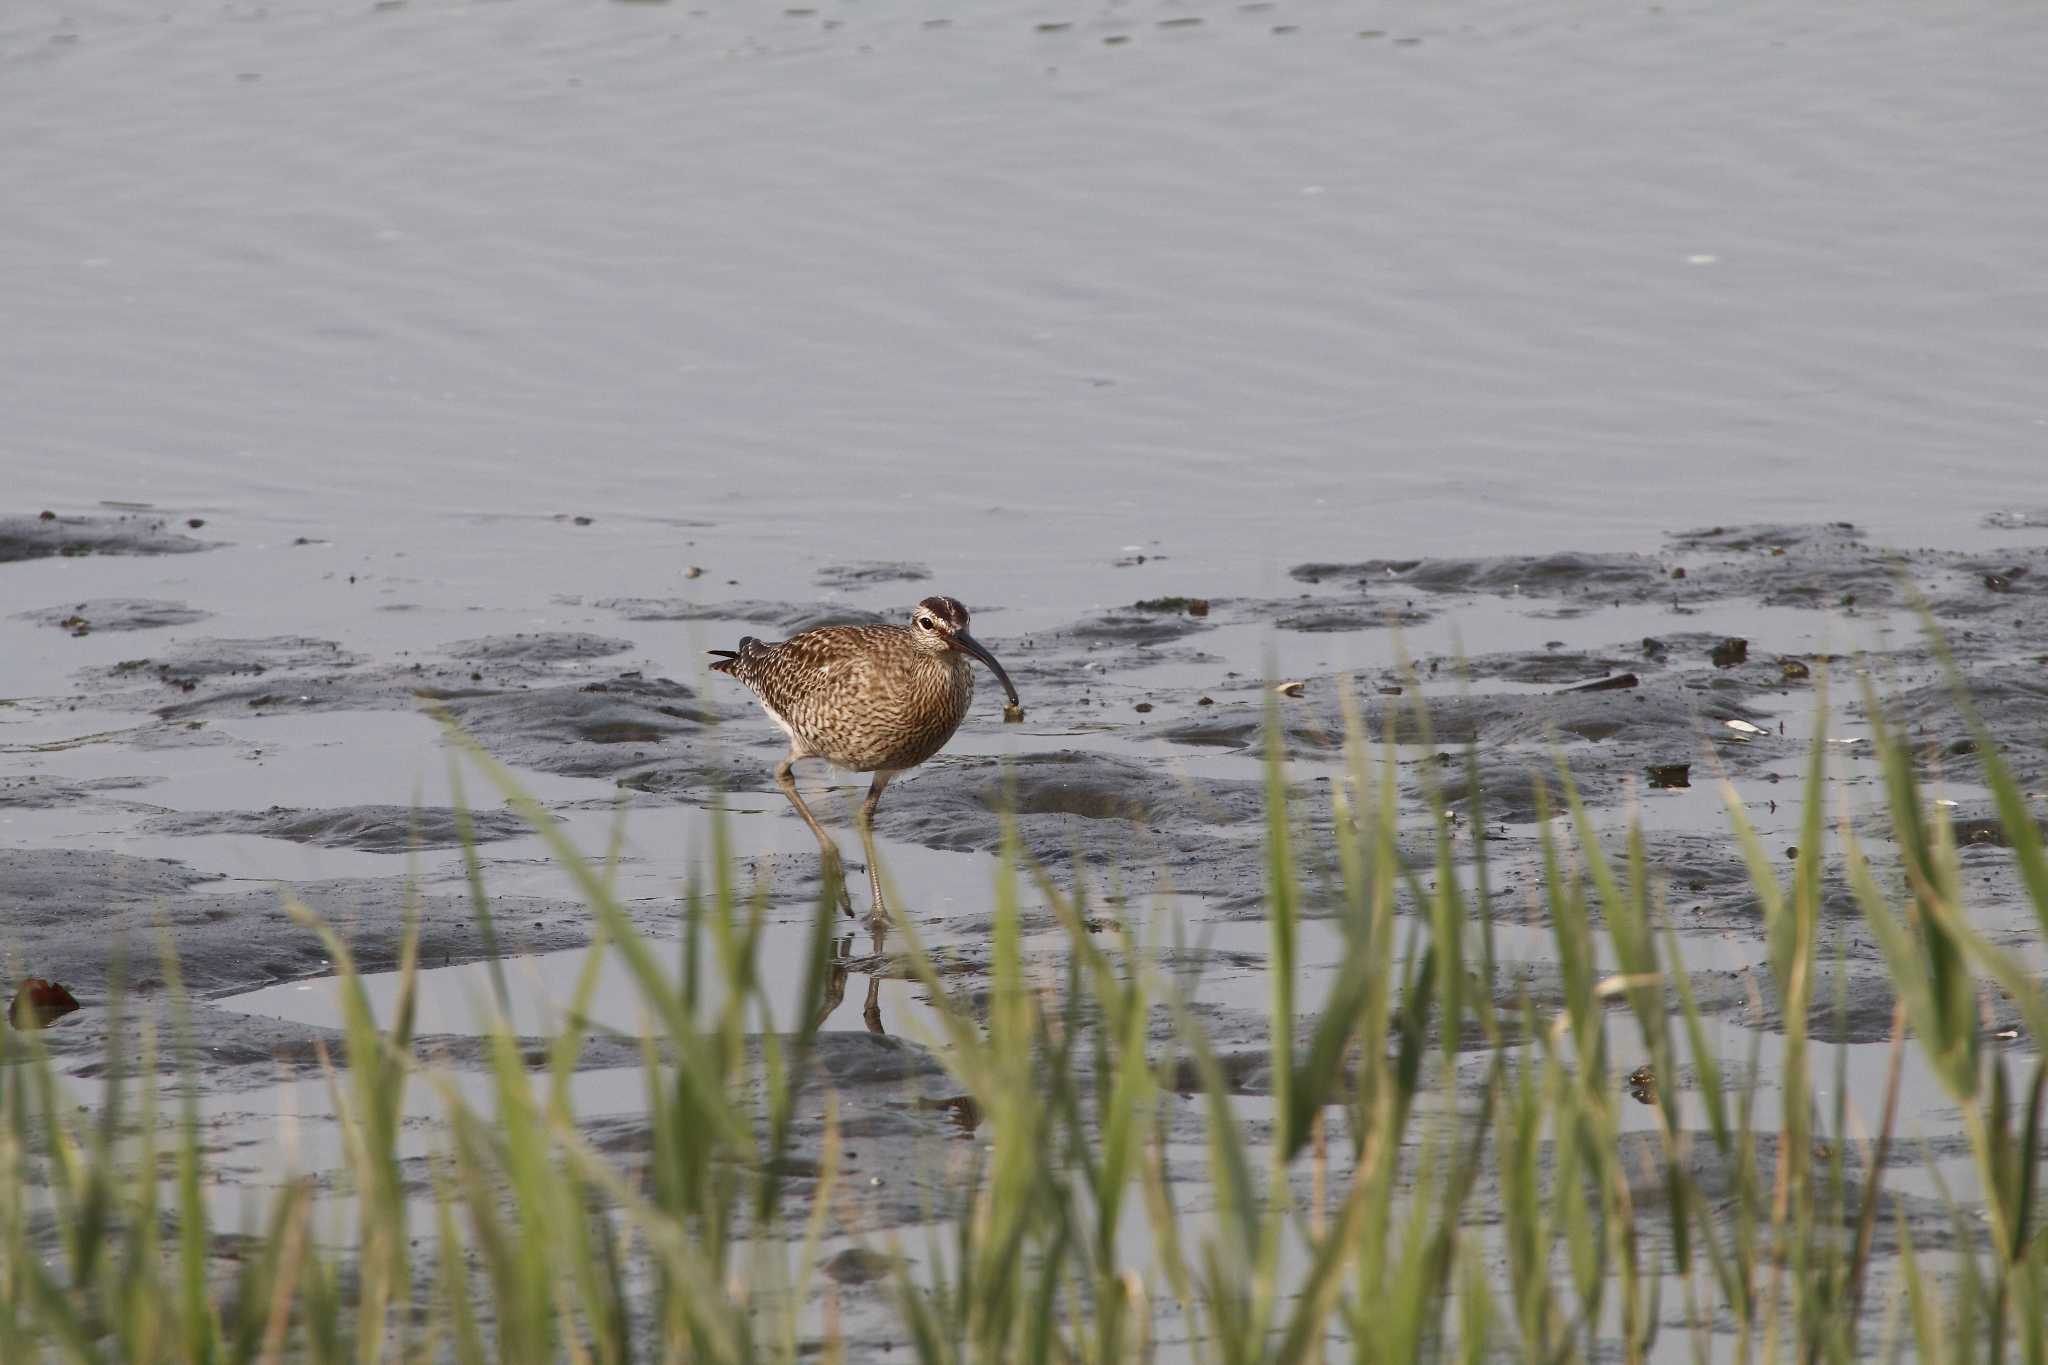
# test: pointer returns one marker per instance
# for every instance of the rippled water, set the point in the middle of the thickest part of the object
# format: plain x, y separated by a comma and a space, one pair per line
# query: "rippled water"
1257, 281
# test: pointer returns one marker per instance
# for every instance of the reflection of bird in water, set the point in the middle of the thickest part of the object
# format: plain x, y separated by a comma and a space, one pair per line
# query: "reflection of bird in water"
835, 981
871, 699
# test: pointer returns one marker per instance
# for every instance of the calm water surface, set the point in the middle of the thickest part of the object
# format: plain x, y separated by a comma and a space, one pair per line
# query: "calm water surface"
886, 278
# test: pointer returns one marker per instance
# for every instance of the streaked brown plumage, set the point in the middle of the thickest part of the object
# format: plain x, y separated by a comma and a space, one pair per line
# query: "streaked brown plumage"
872, 699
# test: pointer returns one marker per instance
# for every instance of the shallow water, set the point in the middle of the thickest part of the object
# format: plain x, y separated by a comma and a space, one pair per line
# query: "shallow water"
1003, 299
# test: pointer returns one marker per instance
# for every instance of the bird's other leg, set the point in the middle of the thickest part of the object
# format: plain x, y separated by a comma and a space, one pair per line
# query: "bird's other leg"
835, 871
878, 913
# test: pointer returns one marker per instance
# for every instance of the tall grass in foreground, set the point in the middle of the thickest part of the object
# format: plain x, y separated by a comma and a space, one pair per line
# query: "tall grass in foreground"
1440, 1174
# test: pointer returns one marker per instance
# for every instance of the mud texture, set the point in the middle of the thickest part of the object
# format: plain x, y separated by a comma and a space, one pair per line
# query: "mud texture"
369, 829
1140, 786
785, 618
39, 791
116, 614
1776, 565
867, 573
544, 647
45, 535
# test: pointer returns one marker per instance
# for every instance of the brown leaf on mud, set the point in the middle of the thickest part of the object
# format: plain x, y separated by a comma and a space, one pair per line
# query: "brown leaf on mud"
40, 1003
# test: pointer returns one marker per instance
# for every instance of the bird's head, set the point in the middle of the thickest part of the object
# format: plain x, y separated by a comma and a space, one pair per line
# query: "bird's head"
939, 624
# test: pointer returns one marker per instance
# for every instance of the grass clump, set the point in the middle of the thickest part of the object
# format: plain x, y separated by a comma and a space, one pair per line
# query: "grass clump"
1438, 1169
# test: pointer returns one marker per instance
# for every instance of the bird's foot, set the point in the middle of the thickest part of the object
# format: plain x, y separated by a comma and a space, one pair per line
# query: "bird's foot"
834, 872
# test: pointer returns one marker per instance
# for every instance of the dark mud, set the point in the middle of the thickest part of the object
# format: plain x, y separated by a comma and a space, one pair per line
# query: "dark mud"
1829, 566
545, 647
595, 729
787, 618
370, 829
43, 792
1607, 738
529, 699
1079, 809
76, 914
867, 573
44, 536
2011, 696
1134, 783
116, 614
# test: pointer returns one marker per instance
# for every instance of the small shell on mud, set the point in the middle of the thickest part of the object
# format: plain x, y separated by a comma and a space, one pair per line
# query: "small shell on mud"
1290, 689
1743, 727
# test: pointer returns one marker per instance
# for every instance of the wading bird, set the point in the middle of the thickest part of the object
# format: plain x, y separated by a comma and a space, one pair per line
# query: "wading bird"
870, 699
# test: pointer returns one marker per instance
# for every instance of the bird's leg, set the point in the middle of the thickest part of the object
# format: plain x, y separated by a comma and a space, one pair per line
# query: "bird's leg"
879, 913
835, 870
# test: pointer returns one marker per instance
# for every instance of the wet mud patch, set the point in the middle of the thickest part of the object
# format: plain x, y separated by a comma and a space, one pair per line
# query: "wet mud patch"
43, 791
45, 889
1089, 808
1610, 737
1130, 626
1315, 618
2011, 696
147, 682
785, 618
539, 648
1558, 666
369, 829
1822, 566
510, 694
1520, 575
595, 729
866, 573
87, 918
46, 535
895, 1113
102, 615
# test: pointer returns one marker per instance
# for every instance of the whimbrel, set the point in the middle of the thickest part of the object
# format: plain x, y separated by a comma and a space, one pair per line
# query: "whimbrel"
870, 699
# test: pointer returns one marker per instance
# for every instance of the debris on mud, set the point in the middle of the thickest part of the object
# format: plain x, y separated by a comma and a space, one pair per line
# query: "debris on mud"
1192, 606
39, 1004
1618, 683
1729, 653
116, 614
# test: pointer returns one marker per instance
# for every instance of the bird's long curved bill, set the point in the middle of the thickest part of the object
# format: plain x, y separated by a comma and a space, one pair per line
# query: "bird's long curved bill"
973, 646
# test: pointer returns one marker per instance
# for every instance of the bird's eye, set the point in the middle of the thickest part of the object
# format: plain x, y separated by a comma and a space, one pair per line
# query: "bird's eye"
925, 622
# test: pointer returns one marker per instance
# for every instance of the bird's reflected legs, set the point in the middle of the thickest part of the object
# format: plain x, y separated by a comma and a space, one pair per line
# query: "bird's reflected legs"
872, 1014
835, 870
835, 983
878, 914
